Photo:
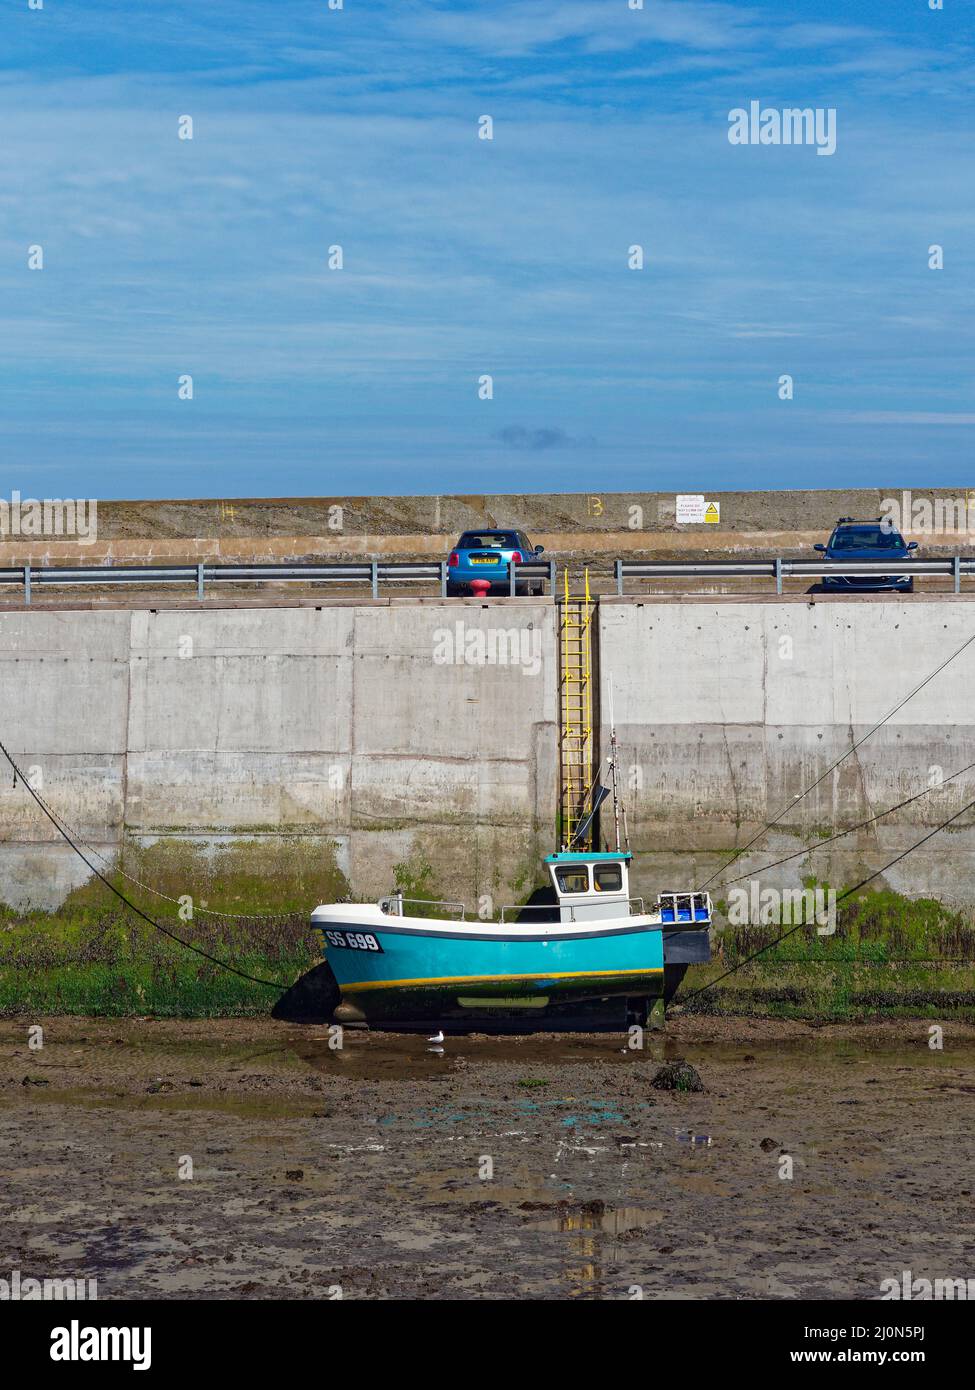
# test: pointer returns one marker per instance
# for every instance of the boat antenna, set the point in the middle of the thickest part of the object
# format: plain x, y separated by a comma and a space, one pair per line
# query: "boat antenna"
614, 768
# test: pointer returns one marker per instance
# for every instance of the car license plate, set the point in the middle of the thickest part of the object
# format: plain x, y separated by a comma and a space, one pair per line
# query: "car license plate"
484, 559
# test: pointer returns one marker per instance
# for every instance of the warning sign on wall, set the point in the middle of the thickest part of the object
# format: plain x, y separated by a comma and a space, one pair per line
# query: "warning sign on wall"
693, 508
690, 508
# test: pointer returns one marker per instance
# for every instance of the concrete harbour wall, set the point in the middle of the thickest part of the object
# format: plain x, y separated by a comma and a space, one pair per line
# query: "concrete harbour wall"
726, 712
426, 732
362, 727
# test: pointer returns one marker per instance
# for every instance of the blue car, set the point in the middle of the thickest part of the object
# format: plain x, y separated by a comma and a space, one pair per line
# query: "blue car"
488, 555
869, 540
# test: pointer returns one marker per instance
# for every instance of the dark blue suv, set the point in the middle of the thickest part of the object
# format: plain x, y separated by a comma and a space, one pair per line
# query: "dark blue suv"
875, 541
487, 555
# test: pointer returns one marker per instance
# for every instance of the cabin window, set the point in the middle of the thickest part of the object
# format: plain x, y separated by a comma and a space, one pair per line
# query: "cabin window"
574, 879
607, 878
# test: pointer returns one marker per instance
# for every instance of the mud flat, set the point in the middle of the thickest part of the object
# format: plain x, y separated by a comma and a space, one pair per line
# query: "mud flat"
317, 1171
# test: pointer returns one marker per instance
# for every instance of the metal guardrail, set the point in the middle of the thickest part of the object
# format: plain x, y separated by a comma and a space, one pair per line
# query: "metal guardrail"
377, 572
956, 566
373, 573
531, 568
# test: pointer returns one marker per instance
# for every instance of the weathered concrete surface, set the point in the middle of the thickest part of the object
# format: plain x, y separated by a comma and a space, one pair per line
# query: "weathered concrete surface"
726, 712
342, 723
786, 510
379, 728
64, 698
567, 524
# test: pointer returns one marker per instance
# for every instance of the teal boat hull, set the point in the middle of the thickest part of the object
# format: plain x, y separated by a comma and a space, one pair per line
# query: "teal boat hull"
389, 973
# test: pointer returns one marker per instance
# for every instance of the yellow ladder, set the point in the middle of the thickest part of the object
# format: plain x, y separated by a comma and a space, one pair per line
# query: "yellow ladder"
575, 710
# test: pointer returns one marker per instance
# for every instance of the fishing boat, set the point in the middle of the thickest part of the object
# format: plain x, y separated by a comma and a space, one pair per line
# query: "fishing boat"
594, 945
582, 952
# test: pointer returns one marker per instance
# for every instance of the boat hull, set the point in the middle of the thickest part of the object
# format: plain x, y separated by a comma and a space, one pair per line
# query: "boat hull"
400, 969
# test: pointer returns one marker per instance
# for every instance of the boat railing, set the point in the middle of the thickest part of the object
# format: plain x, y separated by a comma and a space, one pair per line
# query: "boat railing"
518, 908
635, 907
393, 905
693, 908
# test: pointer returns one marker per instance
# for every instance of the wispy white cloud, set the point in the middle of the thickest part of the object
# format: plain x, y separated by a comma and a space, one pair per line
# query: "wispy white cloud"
519, 27
461, 256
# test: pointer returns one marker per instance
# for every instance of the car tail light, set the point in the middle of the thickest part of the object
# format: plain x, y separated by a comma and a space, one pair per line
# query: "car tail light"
454, 560
516, 558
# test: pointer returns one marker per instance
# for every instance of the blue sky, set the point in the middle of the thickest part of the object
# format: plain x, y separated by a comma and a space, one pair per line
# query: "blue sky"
358, 127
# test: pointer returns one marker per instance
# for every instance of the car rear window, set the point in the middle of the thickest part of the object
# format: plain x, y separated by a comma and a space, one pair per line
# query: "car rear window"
866, 538
488, 540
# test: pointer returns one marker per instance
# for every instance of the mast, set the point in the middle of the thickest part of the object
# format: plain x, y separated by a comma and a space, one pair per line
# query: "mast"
613, 761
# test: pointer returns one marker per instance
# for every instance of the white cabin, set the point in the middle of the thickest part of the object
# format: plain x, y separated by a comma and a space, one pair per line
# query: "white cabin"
590, 886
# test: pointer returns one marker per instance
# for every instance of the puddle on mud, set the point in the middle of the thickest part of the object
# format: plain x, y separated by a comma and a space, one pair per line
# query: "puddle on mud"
240, 1107
409, 1058
694, 1141
542, 1077
597, 1217
595, 1237
389, 1056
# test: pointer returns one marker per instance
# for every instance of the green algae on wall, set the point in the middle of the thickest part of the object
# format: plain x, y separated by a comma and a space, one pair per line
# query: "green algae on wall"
891, 956
244, 902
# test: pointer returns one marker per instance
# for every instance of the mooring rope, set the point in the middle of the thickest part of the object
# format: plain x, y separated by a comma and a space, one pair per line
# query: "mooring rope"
188, 945
833, 766
811, 849
847, 892
146, 887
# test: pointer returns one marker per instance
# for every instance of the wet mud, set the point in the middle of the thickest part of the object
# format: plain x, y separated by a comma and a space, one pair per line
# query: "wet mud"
816, 1162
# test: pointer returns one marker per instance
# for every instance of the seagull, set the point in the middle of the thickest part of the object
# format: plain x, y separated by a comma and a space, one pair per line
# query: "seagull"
437, 1037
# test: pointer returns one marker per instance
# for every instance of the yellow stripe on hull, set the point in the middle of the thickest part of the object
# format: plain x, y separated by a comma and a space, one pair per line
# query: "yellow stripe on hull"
500, 979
